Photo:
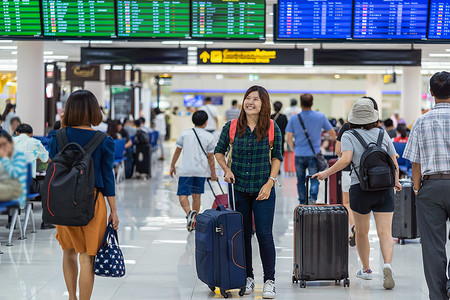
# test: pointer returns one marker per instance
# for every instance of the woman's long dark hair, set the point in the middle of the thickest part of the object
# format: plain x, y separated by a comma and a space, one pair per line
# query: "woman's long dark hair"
262, 127
8, 108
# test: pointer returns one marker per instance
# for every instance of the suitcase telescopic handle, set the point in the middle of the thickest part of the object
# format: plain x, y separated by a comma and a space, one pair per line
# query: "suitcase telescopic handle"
212, 190
232, 195
308, 178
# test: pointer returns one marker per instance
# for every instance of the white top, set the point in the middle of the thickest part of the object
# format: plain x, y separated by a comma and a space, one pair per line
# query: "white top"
33, 150
292, 110
103, 127
194, 162
160, 124
7, 122
212, 112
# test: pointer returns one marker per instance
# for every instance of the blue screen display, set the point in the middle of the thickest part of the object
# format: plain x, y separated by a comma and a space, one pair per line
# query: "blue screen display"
390, 19
193, 100
439, 25
314, 19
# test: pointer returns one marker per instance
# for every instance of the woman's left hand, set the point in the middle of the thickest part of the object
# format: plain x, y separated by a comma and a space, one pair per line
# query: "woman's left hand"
264, 193
321, 175
114, 219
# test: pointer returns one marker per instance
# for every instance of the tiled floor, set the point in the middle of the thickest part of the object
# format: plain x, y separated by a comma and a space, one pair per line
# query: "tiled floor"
159, 255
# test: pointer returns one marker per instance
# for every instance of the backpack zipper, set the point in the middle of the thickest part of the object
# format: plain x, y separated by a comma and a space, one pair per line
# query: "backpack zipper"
48, 190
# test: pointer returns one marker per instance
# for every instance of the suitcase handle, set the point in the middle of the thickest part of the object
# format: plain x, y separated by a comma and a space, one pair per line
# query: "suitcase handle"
221, 207
212, 190
308, 178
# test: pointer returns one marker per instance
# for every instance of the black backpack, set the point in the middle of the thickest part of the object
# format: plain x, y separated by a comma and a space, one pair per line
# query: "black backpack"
141, 137
69, 196
376, 169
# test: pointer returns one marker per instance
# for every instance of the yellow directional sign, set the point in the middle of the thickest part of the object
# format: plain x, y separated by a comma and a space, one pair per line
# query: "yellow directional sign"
251, 56
205, 56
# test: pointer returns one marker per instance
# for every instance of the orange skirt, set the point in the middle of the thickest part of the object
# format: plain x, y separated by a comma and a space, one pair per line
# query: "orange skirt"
85, 238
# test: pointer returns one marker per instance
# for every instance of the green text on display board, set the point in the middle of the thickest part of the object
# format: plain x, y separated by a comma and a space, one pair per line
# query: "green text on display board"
228, 19
153, 18
79, 18
20, 18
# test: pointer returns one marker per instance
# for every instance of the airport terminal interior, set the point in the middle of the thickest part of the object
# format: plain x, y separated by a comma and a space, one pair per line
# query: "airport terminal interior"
144, 58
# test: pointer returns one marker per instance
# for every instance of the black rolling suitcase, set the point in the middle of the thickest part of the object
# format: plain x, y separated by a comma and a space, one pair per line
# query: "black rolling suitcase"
320, 242
142, 159
404, 222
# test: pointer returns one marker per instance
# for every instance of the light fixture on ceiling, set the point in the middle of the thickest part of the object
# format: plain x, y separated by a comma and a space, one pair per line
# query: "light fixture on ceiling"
6, 41
75, 42
56, 57
337, 76
8, 47
439, 55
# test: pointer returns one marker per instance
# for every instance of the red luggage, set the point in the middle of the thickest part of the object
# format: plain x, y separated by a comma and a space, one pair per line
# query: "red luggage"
335, 185
289, 162
219, 199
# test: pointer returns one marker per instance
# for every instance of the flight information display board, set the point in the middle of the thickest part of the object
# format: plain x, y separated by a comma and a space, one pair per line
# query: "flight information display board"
314, 19
439, 24
228, 19
20, 18
153, 18
390, 19
79, 18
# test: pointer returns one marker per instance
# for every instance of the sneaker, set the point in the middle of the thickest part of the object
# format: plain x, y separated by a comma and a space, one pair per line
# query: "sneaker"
388, 277
364, 274
191, 220
269, 290
250, 286
352, 238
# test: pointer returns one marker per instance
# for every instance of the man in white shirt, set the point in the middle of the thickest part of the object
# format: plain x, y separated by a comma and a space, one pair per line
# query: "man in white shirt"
212, 112
293, 109
160, 126
197, 164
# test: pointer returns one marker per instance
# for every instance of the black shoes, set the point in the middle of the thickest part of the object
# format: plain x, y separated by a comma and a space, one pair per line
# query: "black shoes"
47, 226
352, 238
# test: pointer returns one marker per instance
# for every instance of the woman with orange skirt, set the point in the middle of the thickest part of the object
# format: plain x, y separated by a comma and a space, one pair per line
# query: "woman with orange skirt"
81, 112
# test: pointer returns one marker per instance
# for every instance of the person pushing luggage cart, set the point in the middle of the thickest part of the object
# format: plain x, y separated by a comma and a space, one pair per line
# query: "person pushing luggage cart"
254, 160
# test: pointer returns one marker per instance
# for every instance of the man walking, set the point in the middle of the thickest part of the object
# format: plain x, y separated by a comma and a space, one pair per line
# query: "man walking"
313, 123
212, 112
233, 112
428, 149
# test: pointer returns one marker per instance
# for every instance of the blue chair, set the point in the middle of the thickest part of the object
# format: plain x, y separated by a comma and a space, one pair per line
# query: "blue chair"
14, 207
44, 140
119, 159
404, 165
29, 205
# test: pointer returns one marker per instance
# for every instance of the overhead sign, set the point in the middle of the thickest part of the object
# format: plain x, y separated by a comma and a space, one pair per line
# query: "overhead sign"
250, 57
76, 71
142, 56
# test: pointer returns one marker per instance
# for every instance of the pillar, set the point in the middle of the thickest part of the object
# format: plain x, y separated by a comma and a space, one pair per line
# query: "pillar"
410, 103
374, 89
30, 85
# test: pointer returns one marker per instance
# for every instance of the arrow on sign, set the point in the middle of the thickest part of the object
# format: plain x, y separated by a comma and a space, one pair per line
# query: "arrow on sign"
205, 56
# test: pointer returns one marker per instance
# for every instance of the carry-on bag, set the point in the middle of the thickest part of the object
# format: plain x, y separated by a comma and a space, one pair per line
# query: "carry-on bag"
289, 161
335, 185
320, 242
109, 260
142, 159
218, 199
219, 249
404, 222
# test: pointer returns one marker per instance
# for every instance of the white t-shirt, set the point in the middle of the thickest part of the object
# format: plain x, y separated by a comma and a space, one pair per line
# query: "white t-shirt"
212, 112
194, 162
292, 110
160, 124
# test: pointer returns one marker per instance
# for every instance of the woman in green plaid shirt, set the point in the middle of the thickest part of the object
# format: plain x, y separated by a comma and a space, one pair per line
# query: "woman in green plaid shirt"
253, 169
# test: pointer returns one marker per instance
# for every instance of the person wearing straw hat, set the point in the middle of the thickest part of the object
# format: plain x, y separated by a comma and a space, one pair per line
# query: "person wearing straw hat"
363, 120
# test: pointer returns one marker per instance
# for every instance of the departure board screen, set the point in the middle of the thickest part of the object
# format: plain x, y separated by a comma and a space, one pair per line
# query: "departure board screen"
79, 18
390, 19
314, 19
439, 25
153, 18
20, 18
228, 19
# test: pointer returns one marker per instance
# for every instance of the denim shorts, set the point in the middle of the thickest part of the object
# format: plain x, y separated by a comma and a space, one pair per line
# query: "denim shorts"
191, 185
363, 202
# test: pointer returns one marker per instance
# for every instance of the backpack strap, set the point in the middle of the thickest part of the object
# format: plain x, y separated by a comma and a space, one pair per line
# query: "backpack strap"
95, 141
232, 133
271, 134
380, 138
61, 138
359, 138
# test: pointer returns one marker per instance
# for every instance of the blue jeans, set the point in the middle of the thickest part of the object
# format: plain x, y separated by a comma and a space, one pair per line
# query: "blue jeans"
301, 164
263, 212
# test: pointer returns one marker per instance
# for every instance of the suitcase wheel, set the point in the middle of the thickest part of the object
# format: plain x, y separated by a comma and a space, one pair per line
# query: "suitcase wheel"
224, 293
242, 291
294, 280
337, 282
346, 282
212, 288
303, 284
401, 241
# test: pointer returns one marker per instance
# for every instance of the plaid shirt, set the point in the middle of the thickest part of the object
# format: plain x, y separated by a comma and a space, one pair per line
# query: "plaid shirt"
250, 159
429, 141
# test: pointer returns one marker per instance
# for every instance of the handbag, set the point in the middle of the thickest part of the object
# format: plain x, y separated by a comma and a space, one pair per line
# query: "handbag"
321, 162
109, 260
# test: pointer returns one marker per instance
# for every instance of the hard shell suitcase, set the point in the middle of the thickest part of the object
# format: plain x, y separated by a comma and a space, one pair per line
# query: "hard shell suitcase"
404, 222
335, 185
320, 242
289, 161
219, 249
142, 159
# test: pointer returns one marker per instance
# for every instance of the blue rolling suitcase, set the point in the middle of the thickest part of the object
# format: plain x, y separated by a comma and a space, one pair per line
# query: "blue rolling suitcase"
219, 249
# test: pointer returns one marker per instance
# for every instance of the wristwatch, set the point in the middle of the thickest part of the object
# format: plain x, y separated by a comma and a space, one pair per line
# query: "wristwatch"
275, 181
